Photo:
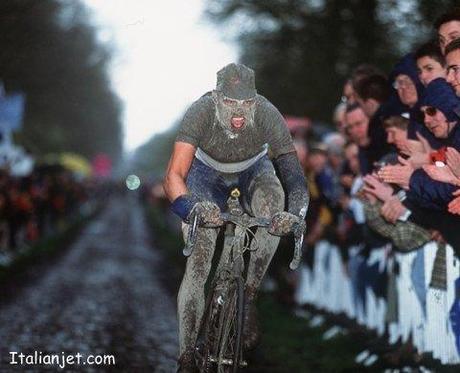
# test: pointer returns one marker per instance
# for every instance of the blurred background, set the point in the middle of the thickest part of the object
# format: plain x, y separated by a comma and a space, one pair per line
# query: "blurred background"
91, 96
96, 77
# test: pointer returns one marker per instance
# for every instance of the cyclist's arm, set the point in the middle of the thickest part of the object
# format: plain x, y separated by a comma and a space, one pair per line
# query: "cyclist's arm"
292, 176
177, 171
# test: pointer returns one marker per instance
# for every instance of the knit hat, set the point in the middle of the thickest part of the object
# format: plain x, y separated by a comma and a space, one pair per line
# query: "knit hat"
236, 81
441, 95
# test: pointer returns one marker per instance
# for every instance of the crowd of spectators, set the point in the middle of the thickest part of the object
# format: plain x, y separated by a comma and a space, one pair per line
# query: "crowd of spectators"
387, 181
37, 205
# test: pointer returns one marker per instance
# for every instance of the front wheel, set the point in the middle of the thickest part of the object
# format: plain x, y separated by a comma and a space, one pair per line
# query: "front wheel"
219, 344
230, 351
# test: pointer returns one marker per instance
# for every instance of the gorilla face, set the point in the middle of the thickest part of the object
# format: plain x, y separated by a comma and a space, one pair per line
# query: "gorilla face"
234, 115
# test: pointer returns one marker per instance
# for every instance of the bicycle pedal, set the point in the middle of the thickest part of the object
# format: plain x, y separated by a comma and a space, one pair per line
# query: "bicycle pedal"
229, 362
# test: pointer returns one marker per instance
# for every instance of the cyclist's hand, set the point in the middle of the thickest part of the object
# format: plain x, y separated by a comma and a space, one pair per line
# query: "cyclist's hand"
283, 223
208, 214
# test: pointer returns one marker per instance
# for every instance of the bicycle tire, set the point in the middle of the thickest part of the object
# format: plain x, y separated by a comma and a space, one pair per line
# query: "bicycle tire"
233, 342
219, 343
204, 348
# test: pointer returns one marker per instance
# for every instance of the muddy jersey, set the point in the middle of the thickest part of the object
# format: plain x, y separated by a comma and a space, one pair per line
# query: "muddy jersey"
201, 128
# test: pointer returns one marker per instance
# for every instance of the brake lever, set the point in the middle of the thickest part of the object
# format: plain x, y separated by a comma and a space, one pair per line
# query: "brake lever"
298, 237
297, 252
191, 237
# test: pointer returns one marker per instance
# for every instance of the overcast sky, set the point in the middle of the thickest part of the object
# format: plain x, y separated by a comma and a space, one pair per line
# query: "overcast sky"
166, 57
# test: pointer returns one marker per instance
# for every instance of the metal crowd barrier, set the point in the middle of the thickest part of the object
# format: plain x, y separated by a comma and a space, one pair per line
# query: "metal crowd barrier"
412, 295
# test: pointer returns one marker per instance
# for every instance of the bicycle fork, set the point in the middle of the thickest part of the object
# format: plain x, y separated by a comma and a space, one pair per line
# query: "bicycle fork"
233, 274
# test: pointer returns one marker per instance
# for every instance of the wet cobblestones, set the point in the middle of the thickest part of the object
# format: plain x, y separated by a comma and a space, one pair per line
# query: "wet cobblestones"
102, 297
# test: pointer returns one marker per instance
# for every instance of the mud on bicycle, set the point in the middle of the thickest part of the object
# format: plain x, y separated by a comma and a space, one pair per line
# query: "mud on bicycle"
219, 345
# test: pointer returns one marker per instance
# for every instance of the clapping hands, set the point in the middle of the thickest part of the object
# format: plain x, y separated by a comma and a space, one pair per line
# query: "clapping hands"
454, 205
377, 188
453, 161
397, 174
418, 151
442, 174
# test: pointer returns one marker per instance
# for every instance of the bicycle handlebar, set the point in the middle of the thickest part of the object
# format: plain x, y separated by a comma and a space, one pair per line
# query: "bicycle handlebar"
247, 222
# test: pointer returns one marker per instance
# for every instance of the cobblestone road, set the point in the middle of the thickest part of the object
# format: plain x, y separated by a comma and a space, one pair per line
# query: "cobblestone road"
103, 296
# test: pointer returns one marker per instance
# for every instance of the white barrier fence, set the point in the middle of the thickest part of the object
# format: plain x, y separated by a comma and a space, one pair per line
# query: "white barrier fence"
406, 294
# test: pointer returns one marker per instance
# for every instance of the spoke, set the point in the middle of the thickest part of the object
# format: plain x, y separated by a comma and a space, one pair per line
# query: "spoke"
229, 324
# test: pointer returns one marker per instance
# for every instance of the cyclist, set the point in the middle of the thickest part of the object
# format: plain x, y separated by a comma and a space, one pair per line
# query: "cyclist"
223, 142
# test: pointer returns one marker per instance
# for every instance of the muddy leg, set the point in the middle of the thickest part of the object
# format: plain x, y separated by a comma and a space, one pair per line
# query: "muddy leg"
267, 199
191, 298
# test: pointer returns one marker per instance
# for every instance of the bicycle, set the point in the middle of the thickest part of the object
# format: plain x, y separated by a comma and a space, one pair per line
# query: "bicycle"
220, 340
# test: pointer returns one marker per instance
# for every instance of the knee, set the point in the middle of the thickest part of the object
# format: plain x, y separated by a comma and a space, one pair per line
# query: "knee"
200, 261
267, 197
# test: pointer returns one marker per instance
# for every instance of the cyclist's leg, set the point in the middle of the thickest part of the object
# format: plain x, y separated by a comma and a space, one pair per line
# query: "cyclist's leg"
265, 198
206, 184
191, 297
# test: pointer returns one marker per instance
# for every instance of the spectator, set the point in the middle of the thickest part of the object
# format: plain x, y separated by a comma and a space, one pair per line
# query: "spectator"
396, 131
440, 106
351, 166
452, 53
348, 96
417, 151
360, 72
320, 216
431, 63
351, 221
329, 178
339, 117
357, 124
448, 27
373, 93
406, 82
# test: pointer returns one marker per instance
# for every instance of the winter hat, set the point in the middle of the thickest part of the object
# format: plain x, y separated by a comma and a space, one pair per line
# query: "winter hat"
408, 66
236, 81
441, 95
